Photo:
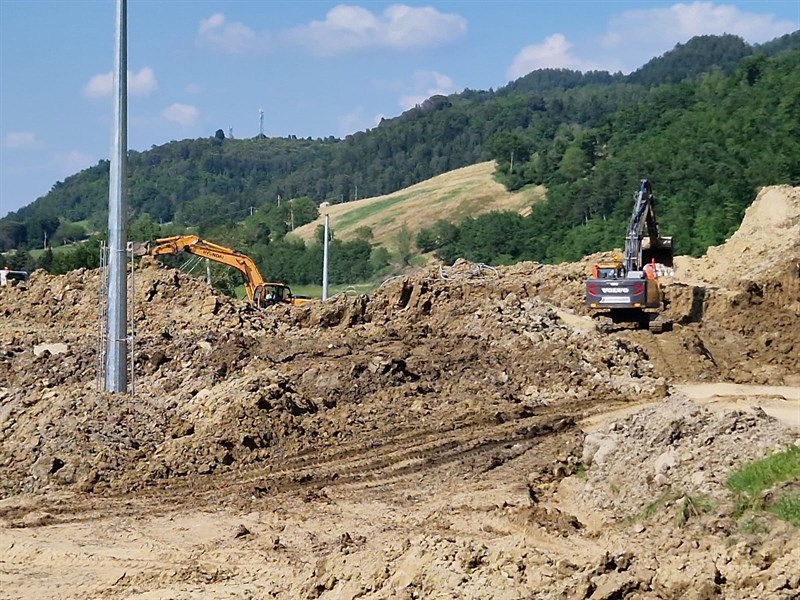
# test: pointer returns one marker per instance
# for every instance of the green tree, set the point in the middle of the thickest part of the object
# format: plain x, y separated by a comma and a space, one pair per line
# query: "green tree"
364, 233
45, 260
68, 233
404, 243
144, 228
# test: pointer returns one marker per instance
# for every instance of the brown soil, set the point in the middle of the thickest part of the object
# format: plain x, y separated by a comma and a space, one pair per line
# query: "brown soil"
460, 433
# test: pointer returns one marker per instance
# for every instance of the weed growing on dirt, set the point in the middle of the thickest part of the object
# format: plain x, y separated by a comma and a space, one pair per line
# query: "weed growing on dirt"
787, 507
755, 478
690, 507
752, 526
651, 509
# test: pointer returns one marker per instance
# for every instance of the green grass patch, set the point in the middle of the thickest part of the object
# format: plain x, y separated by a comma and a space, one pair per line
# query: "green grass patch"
690, 507
787, 507
652, 508
753, 525
315, 291
761, 475
753, 479
37, 252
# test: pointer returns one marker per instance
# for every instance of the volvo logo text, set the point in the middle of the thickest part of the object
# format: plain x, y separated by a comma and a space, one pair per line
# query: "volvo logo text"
619, 290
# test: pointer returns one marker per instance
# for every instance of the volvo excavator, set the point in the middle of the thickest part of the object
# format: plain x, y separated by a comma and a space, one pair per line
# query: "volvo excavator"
628, 290
260, 293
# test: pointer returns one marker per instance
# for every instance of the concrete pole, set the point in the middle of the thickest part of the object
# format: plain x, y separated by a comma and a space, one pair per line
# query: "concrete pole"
324, 207
116, 379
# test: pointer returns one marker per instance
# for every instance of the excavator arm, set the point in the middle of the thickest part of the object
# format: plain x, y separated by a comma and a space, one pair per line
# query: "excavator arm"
221, 254
640, 250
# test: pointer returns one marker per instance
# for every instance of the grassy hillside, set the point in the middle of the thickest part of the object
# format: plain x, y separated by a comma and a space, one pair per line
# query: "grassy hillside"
453, 196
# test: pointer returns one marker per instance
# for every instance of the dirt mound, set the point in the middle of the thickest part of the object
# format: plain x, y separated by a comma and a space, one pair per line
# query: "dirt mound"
675, 447
421, 440
220, 385
765, 246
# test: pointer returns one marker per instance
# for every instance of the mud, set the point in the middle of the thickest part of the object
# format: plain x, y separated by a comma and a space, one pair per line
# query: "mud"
462, 432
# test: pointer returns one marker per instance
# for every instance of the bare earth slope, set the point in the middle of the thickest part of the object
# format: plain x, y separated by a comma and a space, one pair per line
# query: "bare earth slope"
460, 433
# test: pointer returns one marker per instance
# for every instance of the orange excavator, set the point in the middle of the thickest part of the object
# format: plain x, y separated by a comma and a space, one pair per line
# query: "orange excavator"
260, 293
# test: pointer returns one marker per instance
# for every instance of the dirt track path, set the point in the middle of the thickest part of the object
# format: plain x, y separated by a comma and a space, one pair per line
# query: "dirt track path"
781, 402
380, 502
177, 541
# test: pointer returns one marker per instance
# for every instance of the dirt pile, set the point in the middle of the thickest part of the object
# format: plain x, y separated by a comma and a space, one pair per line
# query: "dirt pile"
674, 448
739, 304
766, 245
421, 440
220, 385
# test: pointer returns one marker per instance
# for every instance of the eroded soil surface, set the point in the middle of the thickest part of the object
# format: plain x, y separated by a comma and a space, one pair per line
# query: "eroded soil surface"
459, 433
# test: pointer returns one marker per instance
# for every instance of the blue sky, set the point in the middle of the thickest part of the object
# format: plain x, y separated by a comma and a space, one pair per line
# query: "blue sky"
315, 68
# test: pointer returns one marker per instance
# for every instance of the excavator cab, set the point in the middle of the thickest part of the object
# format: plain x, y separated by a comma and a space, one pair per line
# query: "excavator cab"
270, 294
612, 268
608, 270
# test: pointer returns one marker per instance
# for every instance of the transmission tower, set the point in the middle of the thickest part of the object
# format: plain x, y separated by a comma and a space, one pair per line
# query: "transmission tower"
261, 122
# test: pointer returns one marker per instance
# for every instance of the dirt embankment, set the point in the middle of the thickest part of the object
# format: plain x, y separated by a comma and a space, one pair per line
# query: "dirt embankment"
427, 441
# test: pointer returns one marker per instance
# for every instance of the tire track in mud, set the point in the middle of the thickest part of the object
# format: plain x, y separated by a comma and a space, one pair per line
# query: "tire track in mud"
361, 466
394, 462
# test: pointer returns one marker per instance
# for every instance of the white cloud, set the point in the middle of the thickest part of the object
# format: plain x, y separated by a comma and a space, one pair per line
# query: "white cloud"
357, 120
183, 114
142, 83
21, 140
680, 22
213, 22
193, 89
634, 37
348, 28
425, 84
553, 53
69, 163
231, 37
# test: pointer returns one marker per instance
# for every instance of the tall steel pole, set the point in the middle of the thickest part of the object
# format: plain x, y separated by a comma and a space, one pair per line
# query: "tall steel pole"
324, 206
117, 300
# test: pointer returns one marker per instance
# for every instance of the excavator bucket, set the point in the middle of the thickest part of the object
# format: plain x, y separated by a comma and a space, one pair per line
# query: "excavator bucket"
662, 252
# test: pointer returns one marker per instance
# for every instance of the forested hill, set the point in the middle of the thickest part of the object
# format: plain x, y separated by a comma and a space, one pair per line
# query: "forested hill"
729, 124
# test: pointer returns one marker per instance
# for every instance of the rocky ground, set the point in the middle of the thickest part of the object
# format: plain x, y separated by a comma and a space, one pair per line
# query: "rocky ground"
463, 432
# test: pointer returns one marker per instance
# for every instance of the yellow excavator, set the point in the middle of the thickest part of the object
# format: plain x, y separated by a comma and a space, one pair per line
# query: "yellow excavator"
260, 293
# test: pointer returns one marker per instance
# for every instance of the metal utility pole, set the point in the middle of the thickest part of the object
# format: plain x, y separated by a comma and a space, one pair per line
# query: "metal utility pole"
324, 206
117, 299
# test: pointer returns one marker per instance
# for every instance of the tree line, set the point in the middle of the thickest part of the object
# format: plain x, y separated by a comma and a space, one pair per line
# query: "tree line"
708, 122
706, 146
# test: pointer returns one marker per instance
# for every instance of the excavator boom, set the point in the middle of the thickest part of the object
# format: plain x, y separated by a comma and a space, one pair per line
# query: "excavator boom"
260, 293
221, 254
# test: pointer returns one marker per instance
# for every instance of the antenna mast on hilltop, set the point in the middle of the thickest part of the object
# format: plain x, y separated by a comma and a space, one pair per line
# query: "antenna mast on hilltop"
261, 122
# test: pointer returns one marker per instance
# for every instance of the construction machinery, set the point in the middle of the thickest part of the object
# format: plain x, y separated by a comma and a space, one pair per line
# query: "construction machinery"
260, 293
628, 290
